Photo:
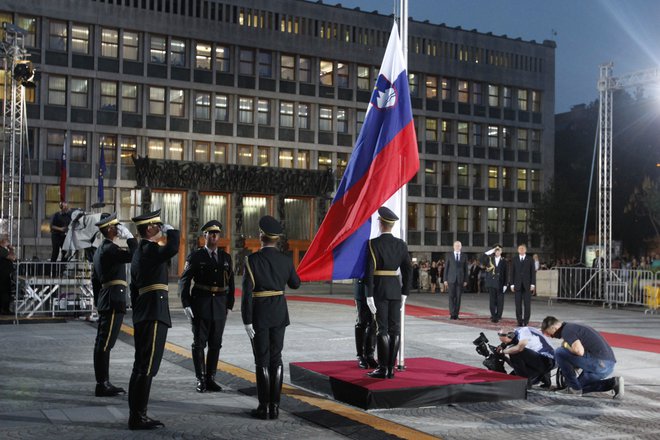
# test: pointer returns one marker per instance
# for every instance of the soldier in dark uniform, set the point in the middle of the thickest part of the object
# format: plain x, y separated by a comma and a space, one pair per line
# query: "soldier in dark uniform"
365, 328
265, 314
110, 290
385, 293
151, 311
208, 303
496, 279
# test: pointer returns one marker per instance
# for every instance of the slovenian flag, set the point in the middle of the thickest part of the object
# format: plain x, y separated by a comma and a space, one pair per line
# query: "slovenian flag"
384, 159
63, 172
102, 170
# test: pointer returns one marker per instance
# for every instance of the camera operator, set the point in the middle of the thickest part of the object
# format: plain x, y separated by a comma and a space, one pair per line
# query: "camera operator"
530, 353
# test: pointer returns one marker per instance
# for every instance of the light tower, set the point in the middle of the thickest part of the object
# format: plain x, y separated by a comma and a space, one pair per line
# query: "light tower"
18, 74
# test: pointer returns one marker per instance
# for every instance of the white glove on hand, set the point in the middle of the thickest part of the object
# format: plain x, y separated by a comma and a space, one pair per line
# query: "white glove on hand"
503, 289
124, 232
249, 330
490, 252
166, 228
189, 313
371, 304
403, 299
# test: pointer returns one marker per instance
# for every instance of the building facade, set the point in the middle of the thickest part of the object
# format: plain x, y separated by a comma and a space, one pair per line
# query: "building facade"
251, 107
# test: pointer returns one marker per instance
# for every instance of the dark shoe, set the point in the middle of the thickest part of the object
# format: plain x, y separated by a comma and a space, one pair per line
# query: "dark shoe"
492, 320
211, 384
106, 389
273, 411
211, 366
201, 385
362, 362
371, 362
261, 412
137, 421
359, 346
276, 376
394, 351
378, 373
520, 324
200, 369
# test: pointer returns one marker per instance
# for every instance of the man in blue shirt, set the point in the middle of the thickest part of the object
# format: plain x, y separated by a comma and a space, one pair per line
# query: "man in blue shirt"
584, 348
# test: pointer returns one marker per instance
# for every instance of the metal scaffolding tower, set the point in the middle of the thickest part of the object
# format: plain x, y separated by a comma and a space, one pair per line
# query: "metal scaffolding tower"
17, 71
606, 85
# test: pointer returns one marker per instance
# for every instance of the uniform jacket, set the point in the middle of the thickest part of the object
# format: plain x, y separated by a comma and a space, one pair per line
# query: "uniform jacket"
523, 273
109, 265
267, 270
204, 271
456, 271
150, 266
496, 278
387, 252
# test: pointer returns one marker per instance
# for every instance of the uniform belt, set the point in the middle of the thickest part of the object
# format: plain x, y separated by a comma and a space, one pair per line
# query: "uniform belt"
152, 287
385, 273
267, 293
114, 283
212, 289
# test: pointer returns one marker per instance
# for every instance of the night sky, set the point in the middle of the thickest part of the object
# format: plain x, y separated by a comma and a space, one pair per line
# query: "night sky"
587, 33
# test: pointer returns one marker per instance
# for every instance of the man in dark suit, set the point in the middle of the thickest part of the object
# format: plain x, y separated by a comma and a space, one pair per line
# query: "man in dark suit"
496, 279
265, 313
208, 303
523, 280
456, 277
110, 289
151, 311
385, 293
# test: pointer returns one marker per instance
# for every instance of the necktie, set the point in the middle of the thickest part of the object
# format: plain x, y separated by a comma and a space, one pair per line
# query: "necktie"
522, 259
457, 256
214, 256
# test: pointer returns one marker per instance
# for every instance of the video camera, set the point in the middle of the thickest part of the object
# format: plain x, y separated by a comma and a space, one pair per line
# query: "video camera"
494, 360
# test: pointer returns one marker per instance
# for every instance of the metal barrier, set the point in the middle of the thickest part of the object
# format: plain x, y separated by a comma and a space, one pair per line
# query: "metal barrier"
619, 287
51, 289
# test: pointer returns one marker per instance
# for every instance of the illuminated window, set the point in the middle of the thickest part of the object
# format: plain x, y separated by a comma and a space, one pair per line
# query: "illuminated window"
431, 87
342, 120
493, 136
462, 175
446, 89
431, 129
245, 110
130, 201
202, 105
493, 220
109, 95
109, 143
263, 156
506, 97
342, 163
493, 95
79, 88
214, 207
109, 43
285, 158
56, 90
222, 59
254, 207
522, 139
245, 155
203, 53
30, 25
54, 144
413, 84
298, 214
521, 221
175, 150
363, 81
156, 148
463, 134
219, 153
430, 217
177, 52
324, 160
305, 70
156, 100
286, 114
430, 172
288, 67
57, 36
493, 177
158, 50
263, 112
130, 43
507, 137
202, 152
462, 220
463, 91
303, 116
522, 99
80, 39
326, 72
446, 131
129, 94
535, 180
221, 107
128, 149
522, 179
302, 160
325, 118
507, 175
78, 147
536, 101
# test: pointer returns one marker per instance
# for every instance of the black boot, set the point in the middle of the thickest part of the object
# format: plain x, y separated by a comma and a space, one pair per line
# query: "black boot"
394, 351
359, 346
101, 370
211, 367
276, 376
263, 393
200, 369
370, 345
138, 398
383, 345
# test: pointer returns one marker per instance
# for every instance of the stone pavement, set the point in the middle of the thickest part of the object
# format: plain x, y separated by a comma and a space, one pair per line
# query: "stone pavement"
47, 380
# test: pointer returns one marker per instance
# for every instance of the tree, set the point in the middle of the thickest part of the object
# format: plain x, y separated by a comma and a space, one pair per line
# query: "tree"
644, 202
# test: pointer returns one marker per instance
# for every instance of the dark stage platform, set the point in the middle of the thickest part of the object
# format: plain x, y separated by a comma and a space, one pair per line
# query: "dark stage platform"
425, 382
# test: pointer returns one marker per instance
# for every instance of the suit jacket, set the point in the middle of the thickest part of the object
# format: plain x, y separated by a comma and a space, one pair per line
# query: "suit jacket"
203, 270
387, 252
109, 265
496, 277
523, 274
267, 270
456, 272
149, 267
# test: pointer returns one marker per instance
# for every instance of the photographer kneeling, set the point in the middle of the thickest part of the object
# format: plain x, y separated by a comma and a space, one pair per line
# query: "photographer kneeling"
530, 353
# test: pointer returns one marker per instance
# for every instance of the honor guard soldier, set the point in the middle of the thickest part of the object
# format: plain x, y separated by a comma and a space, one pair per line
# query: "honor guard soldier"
385, 293
110, 290
496, 279
365, 328
206, 305
265, 314
151, 311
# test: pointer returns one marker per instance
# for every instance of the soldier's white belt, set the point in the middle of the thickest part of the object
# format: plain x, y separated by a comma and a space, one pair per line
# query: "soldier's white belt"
212, 289
385, 273
114, 283
267, 293
152, 287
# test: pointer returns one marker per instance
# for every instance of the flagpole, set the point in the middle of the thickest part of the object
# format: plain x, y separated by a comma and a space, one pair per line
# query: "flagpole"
403, 224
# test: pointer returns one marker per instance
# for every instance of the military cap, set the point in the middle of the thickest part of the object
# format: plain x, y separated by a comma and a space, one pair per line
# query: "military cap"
387, 215
497, 246
270, 227
148, 218
107, 219
212, 226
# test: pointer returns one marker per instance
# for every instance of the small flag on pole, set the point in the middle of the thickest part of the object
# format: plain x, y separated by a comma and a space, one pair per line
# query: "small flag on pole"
384, 159
102, 170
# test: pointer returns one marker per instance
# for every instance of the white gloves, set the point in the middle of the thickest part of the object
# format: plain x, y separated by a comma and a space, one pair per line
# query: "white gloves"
166, 228
123, 232
490, 252
503, 289
189, 313
249, 330
371, 304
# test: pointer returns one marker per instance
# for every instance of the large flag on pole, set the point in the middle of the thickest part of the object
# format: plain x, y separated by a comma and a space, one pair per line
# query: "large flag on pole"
102, 170
384, 159
63, 171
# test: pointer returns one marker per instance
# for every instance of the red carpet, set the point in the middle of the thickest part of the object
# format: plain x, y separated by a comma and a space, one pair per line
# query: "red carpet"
426, 381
